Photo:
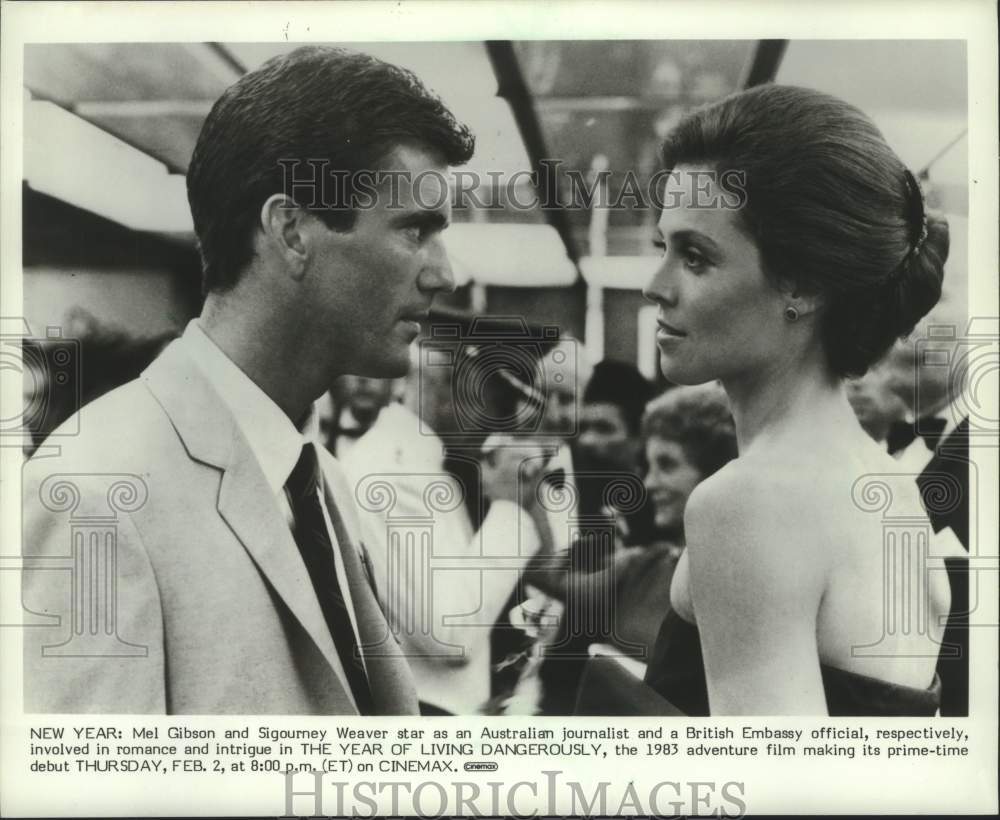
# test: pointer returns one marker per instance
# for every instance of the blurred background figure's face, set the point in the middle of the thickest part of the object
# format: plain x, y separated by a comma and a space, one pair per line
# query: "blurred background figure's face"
670, 480
605, 442
875, 402
560, 410
921, 369
433, 391
560, 378
364, 395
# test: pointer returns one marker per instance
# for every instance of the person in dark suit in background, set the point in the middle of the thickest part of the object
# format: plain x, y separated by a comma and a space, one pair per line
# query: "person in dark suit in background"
610, 444
934, 447
241, 581
612, 512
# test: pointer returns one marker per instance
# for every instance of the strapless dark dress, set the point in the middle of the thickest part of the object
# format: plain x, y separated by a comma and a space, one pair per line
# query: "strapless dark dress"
676, 671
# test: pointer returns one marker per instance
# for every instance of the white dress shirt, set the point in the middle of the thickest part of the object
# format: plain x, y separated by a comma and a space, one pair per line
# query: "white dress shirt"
466, 602
270, 434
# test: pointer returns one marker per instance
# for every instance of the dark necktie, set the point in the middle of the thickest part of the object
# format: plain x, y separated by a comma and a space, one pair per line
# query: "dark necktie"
304, 486
902, 433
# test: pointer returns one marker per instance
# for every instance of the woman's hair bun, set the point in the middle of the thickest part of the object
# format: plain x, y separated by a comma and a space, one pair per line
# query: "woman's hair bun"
921, 275
832, 208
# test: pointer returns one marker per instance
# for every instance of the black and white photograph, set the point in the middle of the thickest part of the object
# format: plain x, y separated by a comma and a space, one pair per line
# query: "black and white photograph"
500, 405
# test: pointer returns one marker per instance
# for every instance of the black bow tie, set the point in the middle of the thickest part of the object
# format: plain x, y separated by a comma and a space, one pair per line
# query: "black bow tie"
557, 478
903, 433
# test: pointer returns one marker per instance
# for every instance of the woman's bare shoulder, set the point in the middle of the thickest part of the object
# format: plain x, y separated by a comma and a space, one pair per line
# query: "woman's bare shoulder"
753, 492
747, 524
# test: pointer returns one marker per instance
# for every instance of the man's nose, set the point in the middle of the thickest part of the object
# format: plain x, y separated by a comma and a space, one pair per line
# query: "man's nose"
438, 274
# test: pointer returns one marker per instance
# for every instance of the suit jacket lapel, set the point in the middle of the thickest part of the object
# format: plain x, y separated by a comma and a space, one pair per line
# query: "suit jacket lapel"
245, 500
252, 512
388, 673
944, 484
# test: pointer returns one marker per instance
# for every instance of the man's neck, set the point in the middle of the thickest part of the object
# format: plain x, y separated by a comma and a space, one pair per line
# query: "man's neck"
262, 352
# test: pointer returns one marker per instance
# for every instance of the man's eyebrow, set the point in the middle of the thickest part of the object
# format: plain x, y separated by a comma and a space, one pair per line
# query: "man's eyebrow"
422, 218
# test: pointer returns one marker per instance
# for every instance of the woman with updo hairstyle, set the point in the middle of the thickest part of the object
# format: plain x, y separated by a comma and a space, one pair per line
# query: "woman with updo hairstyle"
796, 250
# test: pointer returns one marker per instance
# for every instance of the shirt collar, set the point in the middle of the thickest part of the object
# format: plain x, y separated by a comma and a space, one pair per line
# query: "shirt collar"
272, 437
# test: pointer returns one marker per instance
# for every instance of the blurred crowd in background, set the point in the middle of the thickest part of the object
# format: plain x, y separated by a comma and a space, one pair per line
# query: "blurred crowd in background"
535, 486
566, 559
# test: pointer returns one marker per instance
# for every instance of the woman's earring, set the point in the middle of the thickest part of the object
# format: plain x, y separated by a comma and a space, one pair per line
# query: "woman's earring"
791, 314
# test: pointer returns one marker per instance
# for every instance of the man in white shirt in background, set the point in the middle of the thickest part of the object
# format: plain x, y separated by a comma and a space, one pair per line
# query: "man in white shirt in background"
444, 584
349, 409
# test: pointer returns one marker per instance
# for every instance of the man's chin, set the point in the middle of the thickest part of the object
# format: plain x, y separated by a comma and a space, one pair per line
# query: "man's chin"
390, 366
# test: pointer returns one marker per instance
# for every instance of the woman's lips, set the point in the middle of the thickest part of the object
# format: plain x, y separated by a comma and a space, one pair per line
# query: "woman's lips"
668, 333
669, 329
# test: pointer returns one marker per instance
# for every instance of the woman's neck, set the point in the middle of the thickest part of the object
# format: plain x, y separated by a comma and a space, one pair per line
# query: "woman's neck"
788, 401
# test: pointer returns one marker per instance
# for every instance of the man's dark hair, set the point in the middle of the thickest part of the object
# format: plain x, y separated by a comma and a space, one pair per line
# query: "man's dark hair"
317, 103
622, 385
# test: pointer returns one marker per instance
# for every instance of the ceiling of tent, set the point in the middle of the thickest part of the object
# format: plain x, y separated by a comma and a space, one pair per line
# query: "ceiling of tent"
596, 104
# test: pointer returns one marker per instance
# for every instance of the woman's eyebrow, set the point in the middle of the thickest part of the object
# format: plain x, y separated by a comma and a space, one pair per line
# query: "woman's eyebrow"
696, 237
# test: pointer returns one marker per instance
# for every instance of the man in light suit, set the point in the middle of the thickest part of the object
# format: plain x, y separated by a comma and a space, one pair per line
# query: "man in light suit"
205, 557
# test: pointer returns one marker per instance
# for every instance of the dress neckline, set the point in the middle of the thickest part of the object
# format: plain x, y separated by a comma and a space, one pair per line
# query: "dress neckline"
933, 686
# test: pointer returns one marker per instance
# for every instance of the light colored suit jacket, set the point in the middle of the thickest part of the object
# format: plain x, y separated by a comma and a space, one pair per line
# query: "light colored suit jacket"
178, 588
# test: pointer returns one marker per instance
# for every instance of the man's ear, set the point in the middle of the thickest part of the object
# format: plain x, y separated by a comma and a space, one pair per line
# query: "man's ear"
284, 224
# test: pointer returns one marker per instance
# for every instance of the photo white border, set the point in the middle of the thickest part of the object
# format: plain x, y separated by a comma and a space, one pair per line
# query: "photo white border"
837, 786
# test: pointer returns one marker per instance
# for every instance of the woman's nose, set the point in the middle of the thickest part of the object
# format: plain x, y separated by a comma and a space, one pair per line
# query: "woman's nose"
660, 287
